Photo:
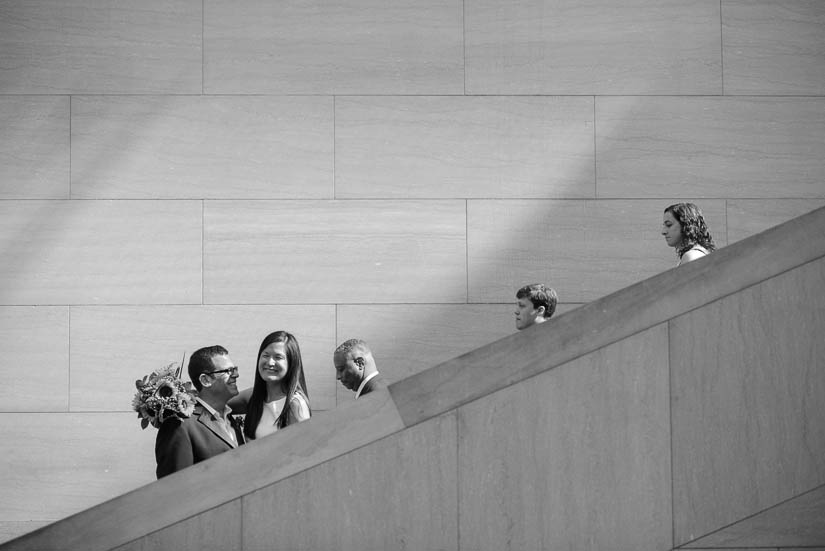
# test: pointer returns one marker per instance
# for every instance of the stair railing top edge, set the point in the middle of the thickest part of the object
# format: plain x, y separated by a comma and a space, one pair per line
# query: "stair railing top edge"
609, 319
438, 390
180, 495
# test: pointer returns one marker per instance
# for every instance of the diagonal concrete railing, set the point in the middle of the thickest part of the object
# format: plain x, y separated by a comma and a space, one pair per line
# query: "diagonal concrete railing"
644, 420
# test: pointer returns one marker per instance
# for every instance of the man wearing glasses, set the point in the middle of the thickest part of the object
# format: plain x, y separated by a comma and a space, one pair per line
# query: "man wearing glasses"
210, 429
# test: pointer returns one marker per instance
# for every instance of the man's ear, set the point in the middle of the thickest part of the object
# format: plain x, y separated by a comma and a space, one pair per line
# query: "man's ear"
541, 310
204, 380
360, 362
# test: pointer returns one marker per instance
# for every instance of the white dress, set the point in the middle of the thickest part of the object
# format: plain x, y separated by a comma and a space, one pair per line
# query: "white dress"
698, 248
272, 410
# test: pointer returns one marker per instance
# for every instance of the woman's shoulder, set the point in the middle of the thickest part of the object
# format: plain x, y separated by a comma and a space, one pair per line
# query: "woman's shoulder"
300, 397
696, 251
299, 404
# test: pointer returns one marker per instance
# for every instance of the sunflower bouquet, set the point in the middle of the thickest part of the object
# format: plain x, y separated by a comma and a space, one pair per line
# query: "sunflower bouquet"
162, 395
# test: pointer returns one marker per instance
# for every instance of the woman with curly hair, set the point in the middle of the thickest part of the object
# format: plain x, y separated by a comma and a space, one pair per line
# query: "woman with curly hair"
685, 230
279, 395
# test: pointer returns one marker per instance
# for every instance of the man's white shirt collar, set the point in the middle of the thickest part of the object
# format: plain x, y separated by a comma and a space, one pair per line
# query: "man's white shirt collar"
364, 383
224, 421
227, 410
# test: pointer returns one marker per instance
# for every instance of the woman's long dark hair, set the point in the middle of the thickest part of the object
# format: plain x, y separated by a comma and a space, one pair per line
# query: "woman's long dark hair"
293, 383
694, 229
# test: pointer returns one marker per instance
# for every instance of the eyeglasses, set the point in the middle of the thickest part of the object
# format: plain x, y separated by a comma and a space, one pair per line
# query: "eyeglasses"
231, 370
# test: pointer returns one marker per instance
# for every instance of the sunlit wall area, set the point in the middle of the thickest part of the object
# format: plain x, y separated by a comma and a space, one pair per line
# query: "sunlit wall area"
181, 173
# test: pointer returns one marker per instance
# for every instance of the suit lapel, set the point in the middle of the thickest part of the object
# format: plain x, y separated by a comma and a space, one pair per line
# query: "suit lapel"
205, 418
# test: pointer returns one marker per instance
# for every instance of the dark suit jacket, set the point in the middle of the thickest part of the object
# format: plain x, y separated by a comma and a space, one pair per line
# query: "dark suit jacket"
184, 442
373, 384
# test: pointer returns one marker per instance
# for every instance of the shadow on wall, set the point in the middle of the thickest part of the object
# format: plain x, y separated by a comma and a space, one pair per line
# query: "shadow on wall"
583, 246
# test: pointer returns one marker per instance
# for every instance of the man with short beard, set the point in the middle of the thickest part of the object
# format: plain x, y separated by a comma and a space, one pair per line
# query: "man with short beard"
210, 429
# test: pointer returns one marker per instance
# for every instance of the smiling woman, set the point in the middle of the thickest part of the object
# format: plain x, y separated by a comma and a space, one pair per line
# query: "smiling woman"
684, 229
279, 396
